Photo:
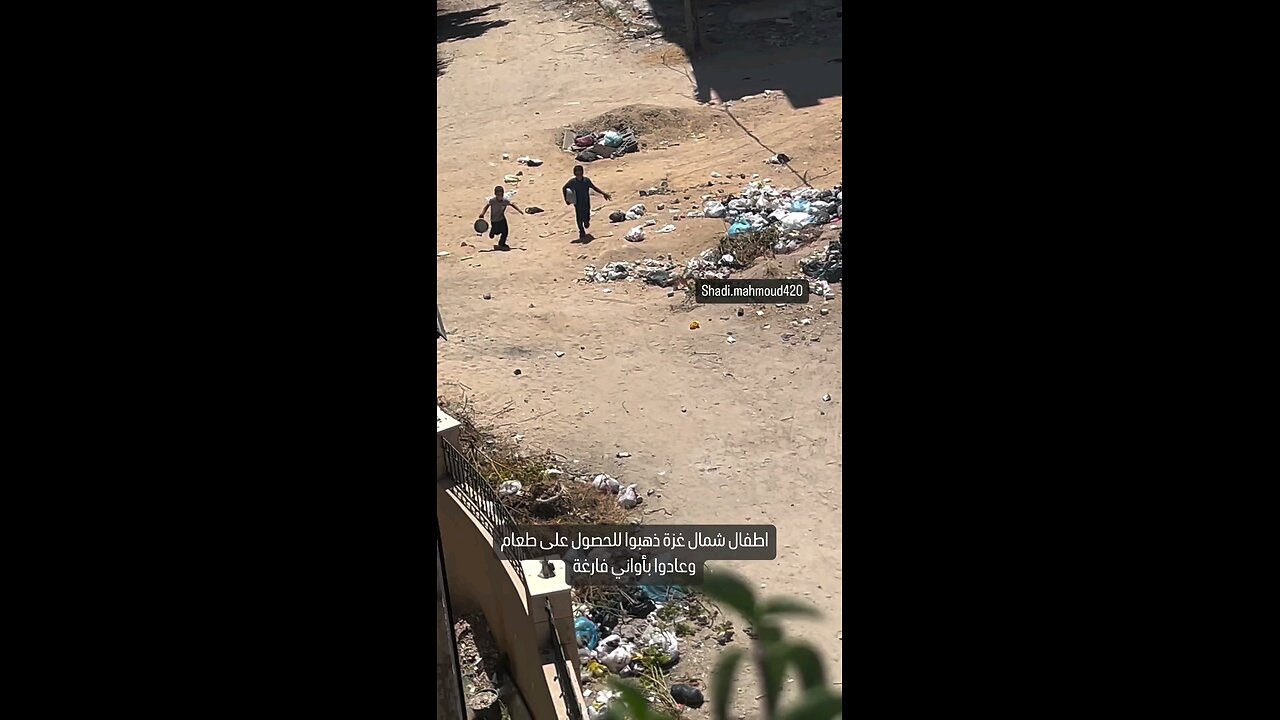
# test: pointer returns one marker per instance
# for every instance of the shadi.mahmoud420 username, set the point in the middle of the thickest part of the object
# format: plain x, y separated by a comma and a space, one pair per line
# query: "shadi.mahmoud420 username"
729, 291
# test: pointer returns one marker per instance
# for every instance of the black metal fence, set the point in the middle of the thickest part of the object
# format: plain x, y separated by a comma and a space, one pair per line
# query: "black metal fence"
482, 500
563, 668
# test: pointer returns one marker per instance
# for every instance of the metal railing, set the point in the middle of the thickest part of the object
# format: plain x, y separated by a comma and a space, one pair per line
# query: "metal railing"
562, 669
482, 500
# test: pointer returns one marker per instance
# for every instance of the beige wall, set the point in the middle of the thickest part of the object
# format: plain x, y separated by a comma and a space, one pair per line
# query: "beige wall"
480, 582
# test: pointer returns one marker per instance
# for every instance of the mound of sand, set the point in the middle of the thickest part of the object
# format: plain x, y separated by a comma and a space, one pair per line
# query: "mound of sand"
651, 123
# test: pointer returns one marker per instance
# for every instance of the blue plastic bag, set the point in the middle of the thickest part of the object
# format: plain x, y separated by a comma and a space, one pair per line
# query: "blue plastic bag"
799, 205
586, 632
738, 227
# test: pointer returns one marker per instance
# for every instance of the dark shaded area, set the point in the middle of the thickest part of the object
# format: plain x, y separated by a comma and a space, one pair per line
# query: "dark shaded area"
750, 47
584, 240
442, 64
463, 24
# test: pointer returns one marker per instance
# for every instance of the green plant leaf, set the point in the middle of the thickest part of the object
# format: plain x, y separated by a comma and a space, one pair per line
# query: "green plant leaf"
722, 682
819, 704
773, 666
633, 700
732, 591
787, 606
810, 665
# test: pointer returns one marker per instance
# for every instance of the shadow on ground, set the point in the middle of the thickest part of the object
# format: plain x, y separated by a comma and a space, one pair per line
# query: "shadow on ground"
795, 46
463, 24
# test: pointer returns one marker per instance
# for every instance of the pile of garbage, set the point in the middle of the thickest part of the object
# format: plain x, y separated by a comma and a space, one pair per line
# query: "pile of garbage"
639, 627
655, 272
760, 205
604, 144
826, 264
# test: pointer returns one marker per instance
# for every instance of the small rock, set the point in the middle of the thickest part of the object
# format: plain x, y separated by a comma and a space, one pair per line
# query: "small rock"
823, 311
443, 253
739, 312
731, 339
517, 371
766, 327
624, 454
487, 296
806, 321
826, 398
559, 354
506, 156
661, 206
683, 409
671, 293
530, 304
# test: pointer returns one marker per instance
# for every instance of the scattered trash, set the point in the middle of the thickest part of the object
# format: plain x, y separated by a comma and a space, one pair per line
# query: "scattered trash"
526, 160
506, 156
511, 487
714, 209
713, 174
806, 321
779, 159
825, 264
650, 222
667, 228
823, 311
487, 296
636, 234
559, 354
726, 259
587, 156
443, 253
690, 697
510, 179
694, 325
587, 632
605, 483
661, 206
731, 339
826, 398
624, 454
638, 209
533, 210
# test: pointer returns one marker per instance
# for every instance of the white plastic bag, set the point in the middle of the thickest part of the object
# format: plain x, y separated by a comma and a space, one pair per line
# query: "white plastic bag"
796, 220
605, 483
714, 209
636, 234
511, 487
667, 228
628, 497
638, 209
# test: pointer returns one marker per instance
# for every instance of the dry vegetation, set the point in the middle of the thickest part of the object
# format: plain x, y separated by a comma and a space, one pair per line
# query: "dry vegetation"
545, 499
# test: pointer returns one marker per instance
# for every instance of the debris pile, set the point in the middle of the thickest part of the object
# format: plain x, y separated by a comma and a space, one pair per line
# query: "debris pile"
592, 146
655, 272
825, 264
637, 632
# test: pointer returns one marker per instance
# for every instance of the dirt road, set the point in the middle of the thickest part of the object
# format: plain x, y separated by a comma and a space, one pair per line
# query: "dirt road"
725, 432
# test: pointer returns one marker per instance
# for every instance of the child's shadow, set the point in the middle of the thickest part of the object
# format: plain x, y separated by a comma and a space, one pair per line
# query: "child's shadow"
585, 239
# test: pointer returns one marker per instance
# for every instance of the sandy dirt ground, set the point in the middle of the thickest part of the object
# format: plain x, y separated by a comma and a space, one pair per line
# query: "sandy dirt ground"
724, 432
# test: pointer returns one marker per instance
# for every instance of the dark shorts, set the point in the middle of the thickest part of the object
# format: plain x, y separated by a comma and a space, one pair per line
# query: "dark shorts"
499, 227
584, 216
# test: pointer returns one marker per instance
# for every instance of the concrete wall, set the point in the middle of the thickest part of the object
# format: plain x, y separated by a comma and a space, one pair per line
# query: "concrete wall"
480, 582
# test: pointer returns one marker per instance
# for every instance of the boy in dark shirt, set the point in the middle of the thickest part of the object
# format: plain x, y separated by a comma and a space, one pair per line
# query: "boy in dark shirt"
581, 187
